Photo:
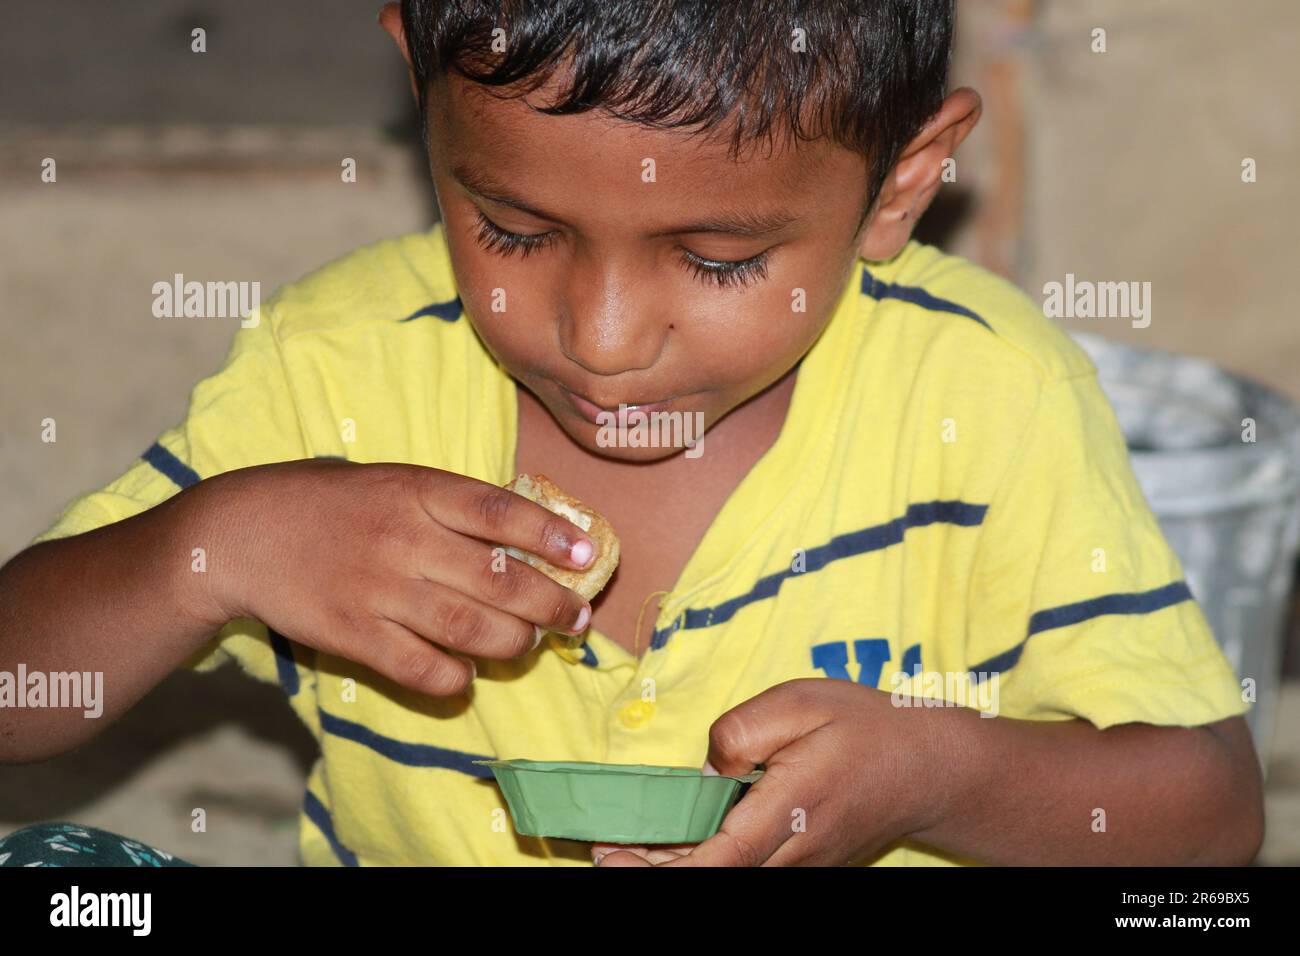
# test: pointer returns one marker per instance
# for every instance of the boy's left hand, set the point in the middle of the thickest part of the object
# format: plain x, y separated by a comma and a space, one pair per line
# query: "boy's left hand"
847, 773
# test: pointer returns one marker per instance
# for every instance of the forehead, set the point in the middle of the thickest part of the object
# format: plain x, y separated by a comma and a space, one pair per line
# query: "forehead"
606, 159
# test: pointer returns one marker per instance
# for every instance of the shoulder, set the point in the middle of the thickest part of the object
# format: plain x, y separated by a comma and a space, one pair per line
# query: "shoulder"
960, 311
385, 283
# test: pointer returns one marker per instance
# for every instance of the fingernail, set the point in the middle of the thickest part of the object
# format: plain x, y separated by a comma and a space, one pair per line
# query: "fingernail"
708, 771
583, 617
599, 856
582, 553
473, 670
537, 636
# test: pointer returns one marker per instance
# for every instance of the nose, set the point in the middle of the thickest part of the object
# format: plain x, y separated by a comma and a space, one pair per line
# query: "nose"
610, 321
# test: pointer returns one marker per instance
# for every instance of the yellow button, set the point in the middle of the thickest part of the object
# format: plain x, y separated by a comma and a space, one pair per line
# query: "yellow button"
636, 714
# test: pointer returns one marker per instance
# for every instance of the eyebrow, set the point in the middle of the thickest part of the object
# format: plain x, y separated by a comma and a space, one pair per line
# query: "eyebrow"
740, 222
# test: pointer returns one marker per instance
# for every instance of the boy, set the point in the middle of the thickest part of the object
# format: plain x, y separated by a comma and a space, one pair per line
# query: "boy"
907, 471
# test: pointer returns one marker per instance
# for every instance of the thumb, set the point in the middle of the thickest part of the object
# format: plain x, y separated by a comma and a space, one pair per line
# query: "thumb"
752, 731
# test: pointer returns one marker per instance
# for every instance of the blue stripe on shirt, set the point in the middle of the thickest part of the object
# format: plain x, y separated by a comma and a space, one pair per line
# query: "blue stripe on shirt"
411, 755
447, 311
879, 289
170, 466
1142, 602
284, 663
318, 815
841, 546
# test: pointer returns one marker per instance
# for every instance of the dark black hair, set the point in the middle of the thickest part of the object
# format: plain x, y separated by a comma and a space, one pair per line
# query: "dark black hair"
871, 73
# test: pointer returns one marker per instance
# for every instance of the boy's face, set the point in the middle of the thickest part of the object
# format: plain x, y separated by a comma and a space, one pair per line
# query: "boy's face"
653, 268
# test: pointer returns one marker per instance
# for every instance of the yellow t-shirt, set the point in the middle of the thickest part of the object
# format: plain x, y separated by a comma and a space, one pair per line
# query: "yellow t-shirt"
950, 493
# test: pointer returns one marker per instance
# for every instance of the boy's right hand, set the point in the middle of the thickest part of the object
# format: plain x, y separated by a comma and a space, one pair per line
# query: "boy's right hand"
398, 567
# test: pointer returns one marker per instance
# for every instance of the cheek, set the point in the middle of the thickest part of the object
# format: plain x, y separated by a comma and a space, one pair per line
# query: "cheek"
476, 270
748, 339
492, 301
502, 338
524, 349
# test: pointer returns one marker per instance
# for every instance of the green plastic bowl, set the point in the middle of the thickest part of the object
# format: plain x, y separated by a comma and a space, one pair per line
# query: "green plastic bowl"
615, 803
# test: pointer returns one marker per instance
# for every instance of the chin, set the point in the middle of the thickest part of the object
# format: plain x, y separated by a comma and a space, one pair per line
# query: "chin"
624, 452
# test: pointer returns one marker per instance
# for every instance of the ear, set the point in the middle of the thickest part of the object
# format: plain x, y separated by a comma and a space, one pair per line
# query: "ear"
390, 18
917, 176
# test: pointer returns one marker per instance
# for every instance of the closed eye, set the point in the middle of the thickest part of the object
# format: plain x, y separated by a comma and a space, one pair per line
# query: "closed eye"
725, 273
720, 272
505, 243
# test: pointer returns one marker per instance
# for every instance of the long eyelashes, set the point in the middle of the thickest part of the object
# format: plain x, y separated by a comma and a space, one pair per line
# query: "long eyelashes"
723, 274
727, 274
495, 239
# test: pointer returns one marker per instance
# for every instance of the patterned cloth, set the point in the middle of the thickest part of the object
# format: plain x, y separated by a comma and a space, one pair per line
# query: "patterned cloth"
66, 844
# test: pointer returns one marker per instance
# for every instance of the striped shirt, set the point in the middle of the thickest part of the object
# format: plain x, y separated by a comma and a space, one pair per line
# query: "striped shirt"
949, 495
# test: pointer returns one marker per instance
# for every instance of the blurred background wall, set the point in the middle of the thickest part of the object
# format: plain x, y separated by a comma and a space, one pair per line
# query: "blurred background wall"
225, 165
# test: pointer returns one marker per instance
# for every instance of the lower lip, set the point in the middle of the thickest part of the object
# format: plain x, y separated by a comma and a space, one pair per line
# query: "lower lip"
590, 412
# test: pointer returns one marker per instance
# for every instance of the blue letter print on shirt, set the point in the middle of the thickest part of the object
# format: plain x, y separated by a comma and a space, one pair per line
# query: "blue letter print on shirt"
871, 654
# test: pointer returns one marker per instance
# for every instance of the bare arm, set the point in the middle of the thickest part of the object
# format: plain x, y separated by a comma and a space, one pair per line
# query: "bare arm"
1029, 792
389, 565
121, 600
860, 772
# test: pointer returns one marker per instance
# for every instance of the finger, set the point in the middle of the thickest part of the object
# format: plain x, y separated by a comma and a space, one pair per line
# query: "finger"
651, 854
752, 731
492, 577
755, 829
493, 514
456, 622
802, 850
600, 849
623, 857
660, 855
407, 659
762, 823
811, 838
